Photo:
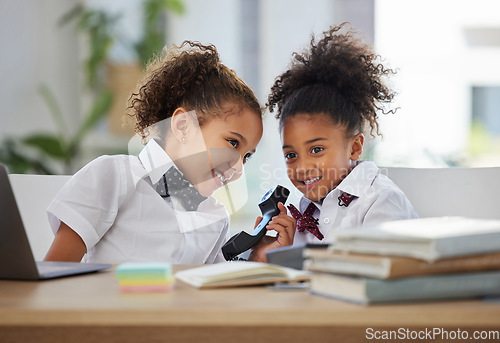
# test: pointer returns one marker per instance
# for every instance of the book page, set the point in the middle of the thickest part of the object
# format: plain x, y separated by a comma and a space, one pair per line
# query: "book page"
239, 272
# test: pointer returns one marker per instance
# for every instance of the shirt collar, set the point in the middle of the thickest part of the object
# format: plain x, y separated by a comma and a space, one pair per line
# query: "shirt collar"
355, 183
304, 202
359, 179
155, 160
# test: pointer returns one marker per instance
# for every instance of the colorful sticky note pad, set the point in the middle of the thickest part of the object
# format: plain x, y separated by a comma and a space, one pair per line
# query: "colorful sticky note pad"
145, 277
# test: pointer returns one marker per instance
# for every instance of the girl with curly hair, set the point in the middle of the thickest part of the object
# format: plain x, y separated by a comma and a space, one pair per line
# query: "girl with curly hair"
200, 123
325, 101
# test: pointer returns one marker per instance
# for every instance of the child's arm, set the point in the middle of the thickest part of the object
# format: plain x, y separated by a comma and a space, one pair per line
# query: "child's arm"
67, 246
284, 225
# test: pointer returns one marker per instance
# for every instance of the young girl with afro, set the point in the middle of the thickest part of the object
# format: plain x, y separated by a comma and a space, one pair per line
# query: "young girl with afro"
201, 123
325, 101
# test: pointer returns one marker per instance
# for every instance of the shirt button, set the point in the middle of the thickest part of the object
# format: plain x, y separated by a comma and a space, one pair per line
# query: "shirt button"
326, 220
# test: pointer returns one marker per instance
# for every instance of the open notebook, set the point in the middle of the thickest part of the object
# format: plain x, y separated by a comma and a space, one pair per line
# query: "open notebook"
16, 258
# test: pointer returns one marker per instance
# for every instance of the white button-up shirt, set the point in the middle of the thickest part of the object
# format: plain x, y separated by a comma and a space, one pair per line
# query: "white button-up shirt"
112, 205
377, 199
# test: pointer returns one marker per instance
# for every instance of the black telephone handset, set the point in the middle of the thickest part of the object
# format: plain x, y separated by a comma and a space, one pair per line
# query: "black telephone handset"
268, 205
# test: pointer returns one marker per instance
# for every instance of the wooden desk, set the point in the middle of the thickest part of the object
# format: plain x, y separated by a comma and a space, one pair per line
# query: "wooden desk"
90, 309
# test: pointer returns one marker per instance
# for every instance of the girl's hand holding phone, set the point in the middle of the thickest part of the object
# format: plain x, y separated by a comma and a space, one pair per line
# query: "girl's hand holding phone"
284, 225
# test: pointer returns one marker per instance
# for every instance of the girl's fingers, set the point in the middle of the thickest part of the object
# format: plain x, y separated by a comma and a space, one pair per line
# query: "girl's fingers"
284, 220
282, 208
284, 225
284, 238
257, 221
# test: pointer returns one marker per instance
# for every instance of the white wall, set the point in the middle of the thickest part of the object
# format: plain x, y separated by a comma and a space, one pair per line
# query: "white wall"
425, 40
215, 22
36, 50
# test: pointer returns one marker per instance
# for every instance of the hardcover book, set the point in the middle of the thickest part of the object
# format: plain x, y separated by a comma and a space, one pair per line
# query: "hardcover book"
389, 267
363, 290
425, 238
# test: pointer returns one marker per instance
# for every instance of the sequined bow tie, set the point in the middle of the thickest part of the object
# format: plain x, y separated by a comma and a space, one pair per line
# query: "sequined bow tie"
345, 199
306, 221
180, 189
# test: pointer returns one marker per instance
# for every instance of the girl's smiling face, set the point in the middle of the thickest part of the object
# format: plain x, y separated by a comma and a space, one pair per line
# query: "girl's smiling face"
214, 155
230, 141
318, 153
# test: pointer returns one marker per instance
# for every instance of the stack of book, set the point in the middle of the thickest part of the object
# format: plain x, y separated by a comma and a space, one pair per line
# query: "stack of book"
145, 277
418, 259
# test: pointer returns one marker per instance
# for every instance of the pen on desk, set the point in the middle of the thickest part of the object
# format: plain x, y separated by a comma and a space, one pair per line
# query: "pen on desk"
285, 286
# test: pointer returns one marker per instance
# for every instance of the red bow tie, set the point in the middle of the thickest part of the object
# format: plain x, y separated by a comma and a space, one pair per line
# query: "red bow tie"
345, 199
306, 221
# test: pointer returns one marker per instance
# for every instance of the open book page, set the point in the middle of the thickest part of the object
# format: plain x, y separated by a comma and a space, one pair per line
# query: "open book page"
239, 273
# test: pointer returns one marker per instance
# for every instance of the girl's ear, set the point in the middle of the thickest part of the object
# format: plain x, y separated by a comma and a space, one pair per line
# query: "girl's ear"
179, 124
357, 146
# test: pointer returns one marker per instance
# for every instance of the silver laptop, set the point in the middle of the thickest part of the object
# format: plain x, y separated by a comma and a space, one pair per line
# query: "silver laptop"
16, 258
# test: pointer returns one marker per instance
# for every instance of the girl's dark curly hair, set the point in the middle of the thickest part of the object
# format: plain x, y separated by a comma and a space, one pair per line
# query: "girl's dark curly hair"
190, 76
339, 77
